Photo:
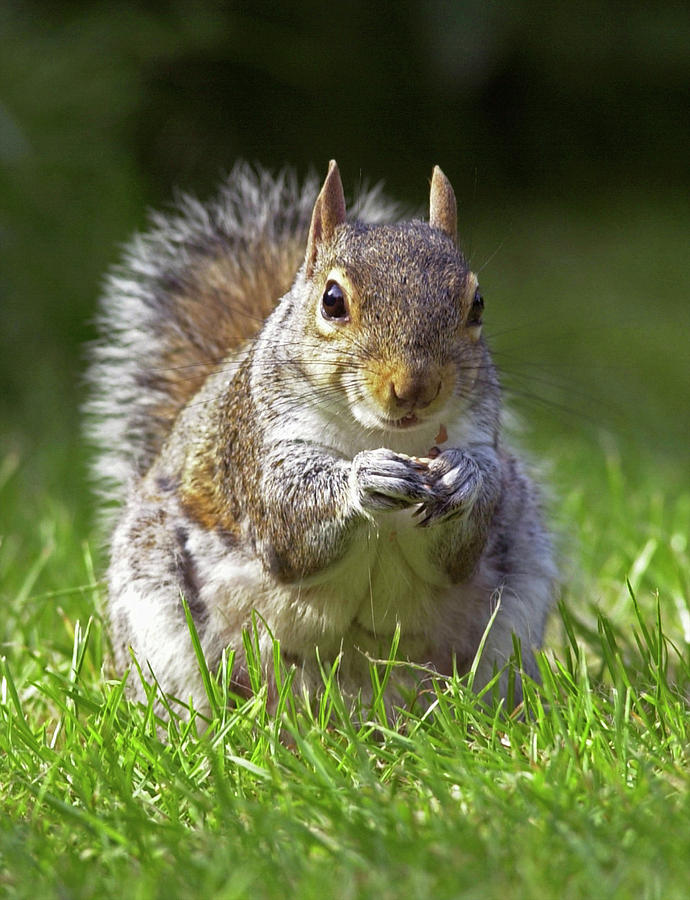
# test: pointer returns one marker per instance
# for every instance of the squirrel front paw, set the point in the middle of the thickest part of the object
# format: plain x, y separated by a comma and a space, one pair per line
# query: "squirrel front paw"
454, 478
381, 479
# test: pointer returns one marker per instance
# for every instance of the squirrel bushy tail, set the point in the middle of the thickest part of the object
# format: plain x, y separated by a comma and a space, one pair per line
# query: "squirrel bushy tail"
191, 289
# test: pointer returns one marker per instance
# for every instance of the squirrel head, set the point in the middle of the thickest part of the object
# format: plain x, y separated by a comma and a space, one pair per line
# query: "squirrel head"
393, 313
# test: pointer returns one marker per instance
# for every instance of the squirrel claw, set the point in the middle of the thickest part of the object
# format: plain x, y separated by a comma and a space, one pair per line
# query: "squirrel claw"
438, 512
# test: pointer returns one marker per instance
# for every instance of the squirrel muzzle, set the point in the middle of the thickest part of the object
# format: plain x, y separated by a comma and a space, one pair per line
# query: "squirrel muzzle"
410, 389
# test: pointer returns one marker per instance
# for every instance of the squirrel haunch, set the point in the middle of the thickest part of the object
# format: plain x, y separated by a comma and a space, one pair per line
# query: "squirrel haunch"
298, 417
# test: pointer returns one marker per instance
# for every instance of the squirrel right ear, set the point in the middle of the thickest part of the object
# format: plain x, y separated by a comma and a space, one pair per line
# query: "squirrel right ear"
329, 212
443, 210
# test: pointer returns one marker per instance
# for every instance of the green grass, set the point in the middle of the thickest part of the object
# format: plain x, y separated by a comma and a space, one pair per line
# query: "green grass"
584, 794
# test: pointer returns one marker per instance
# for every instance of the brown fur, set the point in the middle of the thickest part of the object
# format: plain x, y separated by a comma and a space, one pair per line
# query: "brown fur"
221, 306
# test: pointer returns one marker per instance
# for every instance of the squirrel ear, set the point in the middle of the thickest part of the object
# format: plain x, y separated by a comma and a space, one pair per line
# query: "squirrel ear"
443, 210
329, 212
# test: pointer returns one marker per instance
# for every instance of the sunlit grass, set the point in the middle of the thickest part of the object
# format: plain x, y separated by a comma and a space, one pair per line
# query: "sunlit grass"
583, 791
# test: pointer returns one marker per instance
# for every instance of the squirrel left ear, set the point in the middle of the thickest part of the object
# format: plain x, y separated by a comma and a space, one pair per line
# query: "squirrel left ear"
443, 210
329, 212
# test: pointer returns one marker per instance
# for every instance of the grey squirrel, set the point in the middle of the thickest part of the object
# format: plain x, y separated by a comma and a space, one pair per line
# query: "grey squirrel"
297, 416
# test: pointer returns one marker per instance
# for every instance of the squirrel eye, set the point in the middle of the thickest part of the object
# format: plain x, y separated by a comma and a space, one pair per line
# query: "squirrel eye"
333, 304
476, 310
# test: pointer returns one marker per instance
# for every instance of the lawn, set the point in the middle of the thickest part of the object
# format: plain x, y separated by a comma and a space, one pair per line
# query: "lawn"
583, 792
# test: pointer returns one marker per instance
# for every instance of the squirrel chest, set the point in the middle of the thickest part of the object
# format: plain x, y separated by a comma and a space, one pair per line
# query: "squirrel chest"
383, 575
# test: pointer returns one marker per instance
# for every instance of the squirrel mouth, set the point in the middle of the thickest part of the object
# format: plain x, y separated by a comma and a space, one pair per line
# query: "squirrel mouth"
406, 422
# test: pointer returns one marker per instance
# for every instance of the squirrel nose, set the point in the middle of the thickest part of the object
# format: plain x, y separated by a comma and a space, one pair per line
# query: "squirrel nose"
415, 389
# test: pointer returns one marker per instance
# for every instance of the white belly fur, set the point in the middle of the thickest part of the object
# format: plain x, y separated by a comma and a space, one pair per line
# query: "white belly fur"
384, 580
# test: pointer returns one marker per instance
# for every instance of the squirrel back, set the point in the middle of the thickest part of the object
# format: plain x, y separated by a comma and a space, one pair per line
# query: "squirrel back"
197, 285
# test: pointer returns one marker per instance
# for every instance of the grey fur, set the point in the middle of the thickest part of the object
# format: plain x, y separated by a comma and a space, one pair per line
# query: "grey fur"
262, 475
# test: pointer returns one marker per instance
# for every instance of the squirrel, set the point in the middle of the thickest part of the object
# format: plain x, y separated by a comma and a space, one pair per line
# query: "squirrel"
297, 417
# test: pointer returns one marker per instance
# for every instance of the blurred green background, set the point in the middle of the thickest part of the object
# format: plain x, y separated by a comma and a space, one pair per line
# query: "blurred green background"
564, 129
